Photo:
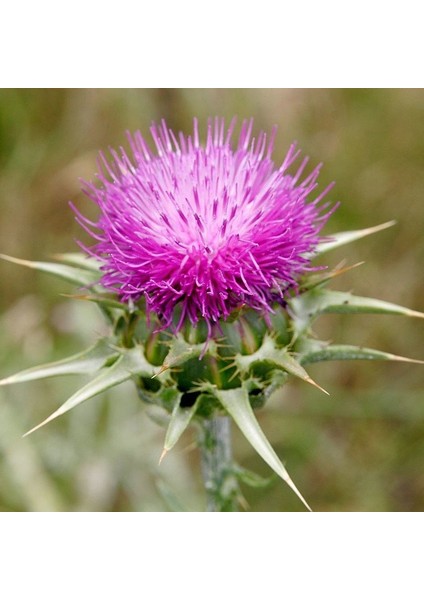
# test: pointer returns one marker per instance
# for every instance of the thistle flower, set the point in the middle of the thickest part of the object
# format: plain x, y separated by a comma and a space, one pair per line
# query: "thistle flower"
192, 234
205, 228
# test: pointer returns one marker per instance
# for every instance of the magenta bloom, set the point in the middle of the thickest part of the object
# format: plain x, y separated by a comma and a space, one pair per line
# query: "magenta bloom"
206, 227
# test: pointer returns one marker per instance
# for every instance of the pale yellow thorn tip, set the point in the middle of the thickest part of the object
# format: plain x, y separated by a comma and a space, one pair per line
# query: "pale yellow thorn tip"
384, 225
312, 382
40, 425
298, 494
18, 261
377, 228
409, 360
415, 313
162, 456
29, 432
161, 370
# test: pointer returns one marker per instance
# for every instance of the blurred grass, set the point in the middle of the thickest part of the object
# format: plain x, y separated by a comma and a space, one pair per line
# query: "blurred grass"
360, 449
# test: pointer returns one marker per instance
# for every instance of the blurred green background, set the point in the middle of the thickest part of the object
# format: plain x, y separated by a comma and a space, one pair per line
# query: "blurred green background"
361, 449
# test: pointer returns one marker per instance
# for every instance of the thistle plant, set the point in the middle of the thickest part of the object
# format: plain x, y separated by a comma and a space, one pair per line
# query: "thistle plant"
206, 267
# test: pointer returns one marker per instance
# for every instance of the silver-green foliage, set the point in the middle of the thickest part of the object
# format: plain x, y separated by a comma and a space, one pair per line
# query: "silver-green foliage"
190, 378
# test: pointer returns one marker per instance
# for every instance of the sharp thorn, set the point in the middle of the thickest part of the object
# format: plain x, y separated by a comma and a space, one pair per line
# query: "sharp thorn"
312, 382
163, 368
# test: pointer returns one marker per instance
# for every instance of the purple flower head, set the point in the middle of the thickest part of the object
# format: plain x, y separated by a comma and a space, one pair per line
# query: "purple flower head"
204, 227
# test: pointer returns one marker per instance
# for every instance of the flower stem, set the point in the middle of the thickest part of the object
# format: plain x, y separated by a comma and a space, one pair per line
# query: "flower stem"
222, 491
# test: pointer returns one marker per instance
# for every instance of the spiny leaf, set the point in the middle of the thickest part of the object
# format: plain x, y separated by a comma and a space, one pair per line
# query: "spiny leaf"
104, 300
342, 302
319, 279
306, 307
345, 237
128, 364
74, 275
236, 403
253, 479
78, 259
180, 420
346, 352
292, 366
89, 361
280, 357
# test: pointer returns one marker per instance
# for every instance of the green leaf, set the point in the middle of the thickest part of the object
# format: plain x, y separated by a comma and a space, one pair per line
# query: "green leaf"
314, 280
103, 300
346, 352
308, 306
342, 302
73, 275
253, 479
292, 366
78, 259
180, 420
236, 403
89, 361
128, 364
345, 237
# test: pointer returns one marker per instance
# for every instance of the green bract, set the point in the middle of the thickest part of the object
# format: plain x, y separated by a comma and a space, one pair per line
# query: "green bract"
191, 378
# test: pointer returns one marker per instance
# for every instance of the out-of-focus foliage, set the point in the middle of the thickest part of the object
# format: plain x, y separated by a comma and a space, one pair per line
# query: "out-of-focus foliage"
362, 448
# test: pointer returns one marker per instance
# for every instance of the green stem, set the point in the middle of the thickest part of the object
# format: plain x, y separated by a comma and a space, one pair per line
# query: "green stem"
222, 492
